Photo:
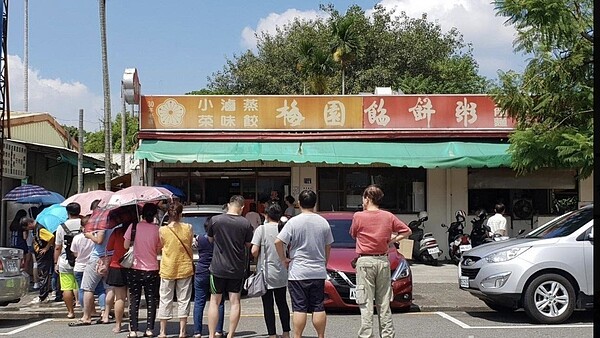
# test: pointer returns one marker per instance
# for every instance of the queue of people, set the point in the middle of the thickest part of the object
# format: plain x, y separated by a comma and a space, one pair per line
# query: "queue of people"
291, 249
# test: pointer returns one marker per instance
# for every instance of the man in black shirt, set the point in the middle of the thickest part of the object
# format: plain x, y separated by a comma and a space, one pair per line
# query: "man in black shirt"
231, 234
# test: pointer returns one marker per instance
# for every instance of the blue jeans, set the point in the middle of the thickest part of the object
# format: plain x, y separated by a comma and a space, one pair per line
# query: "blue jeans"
99, 291
202, 292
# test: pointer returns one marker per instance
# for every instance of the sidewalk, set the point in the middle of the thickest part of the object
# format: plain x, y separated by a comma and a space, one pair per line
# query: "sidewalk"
435, 288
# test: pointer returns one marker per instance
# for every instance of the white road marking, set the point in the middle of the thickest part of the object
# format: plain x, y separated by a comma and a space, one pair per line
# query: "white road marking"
25, 327
540, 326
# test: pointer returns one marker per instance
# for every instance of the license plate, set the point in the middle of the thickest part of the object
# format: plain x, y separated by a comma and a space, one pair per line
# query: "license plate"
433, 250
353, 293
465, 247
12, 266
464, 282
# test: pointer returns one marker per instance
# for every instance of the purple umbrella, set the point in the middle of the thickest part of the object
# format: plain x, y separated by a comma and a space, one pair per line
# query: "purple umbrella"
26, 190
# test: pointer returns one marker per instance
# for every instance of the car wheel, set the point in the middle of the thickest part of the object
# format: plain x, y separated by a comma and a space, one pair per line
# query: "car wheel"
549, 299
499, 307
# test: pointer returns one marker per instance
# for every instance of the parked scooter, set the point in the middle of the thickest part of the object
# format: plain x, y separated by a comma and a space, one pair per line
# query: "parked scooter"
458, 241
425, 247
480, 233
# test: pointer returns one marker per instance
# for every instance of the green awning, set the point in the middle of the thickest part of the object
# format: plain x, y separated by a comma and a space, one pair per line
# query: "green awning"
396, 154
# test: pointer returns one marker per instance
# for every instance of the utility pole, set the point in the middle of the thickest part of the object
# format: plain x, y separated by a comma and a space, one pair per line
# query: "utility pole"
80, 155
26, 59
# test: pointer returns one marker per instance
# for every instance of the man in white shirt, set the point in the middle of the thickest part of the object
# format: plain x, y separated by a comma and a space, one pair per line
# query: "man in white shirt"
497, 223
64, 235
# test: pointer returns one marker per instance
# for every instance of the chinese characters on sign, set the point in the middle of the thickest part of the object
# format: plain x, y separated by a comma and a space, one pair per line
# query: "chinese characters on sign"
404, 112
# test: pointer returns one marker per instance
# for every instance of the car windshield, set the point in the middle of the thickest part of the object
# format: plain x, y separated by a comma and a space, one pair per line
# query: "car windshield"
563, 226
341, 234
197, 222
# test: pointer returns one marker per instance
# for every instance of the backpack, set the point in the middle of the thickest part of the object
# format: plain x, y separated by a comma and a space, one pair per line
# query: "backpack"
68, 239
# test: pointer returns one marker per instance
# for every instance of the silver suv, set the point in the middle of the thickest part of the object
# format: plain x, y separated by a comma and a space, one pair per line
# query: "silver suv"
548, 272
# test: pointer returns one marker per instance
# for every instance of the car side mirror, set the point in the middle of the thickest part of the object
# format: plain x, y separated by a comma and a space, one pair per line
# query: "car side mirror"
591, 235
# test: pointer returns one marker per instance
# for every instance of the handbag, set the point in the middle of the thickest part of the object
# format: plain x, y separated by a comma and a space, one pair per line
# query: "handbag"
102, 265
256, 284
127, 260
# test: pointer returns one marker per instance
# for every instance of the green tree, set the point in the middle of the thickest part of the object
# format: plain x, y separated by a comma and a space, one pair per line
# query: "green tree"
345, 43
389, 50
94, 141
552, 100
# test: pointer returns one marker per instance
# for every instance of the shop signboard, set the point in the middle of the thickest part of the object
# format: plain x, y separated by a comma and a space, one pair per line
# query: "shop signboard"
15, 160
296, 113
210, 112
434, 112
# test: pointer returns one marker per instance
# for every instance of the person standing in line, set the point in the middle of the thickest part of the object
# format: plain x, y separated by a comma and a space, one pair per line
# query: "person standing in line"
176, 269
231, 234
82, 249
374, 230
497, 222
117, 277
144, 271
18, 238
290, 211
43, 247
263, 243
68, 283
202, 283
253, 216
91, 279
309, 237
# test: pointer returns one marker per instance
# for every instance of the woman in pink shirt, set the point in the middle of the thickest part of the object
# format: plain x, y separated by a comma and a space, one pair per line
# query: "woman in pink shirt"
144, 272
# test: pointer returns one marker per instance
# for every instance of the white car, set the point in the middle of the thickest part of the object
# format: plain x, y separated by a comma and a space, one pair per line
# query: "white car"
14, 282
547, 272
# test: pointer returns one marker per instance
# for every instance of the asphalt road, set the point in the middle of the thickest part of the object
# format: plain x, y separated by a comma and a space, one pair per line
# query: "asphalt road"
414, 325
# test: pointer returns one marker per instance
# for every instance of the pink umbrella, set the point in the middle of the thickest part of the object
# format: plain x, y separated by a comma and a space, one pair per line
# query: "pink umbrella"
138, 194
85, 200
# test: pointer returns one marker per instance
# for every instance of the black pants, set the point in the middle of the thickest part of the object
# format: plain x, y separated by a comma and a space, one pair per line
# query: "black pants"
45, 265
269, 310
150, 281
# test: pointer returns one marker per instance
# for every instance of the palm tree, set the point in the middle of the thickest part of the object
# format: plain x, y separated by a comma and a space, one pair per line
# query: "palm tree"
106, 89
315, 67
345, 43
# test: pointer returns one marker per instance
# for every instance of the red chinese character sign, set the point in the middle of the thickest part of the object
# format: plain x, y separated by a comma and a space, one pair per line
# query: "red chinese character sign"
433, 112
322, 113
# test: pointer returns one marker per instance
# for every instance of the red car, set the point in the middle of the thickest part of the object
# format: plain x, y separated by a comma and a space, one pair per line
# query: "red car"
340, 286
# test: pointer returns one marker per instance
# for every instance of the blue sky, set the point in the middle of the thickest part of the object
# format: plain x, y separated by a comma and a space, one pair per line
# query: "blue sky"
176, 45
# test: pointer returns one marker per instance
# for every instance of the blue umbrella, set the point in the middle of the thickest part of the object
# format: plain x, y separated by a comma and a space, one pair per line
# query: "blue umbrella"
53, 198
25, 190
52, 216
176, 191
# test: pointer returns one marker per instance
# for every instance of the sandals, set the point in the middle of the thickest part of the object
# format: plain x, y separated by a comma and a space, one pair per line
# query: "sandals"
148, 333
132, 334
79, 323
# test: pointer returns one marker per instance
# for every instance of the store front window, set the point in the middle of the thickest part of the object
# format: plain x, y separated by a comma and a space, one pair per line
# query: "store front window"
342, 188
546, 192
214, 186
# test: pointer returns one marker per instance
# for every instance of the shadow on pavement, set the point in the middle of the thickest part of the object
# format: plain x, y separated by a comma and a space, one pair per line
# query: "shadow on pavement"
519, 317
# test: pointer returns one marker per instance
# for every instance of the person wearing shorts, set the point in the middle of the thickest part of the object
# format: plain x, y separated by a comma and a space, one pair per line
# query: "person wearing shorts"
68, 284
309, 238
117, 277
91, 277
231, 234
82, 248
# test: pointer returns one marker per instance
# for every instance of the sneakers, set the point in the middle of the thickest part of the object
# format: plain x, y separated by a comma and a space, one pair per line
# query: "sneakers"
38, 300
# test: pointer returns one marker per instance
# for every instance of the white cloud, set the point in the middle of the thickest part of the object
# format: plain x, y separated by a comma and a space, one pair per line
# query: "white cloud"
60, 99
272, 21
475, 19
